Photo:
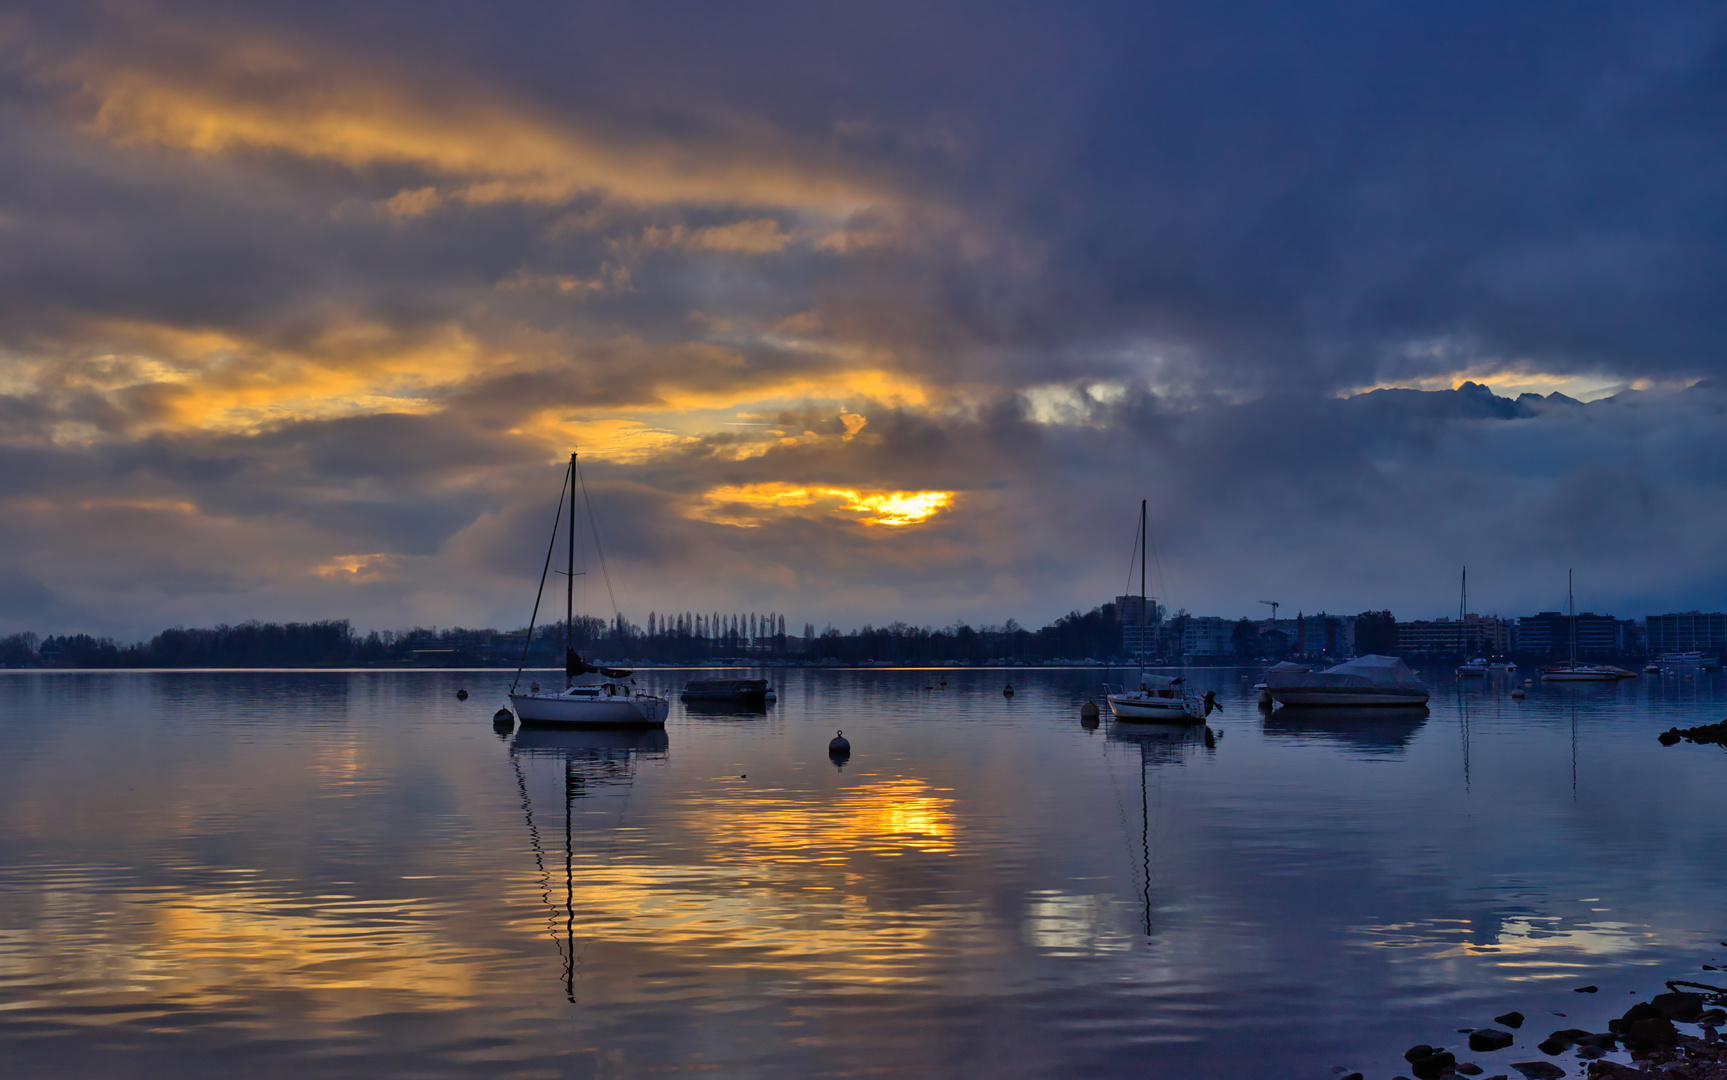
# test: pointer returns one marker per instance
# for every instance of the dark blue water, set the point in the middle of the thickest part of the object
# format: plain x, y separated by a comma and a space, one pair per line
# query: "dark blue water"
276, 874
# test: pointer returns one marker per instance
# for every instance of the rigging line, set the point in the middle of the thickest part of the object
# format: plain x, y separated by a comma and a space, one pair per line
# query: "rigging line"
550, 544
594, 524
1127, 590
539, 855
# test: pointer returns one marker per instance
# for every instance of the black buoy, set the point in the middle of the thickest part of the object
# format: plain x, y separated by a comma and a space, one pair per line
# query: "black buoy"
1007, 691
1088, 711
838, 746
461, 695
504, 718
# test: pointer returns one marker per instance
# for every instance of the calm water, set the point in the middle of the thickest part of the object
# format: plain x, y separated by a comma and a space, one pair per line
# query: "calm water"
267, 873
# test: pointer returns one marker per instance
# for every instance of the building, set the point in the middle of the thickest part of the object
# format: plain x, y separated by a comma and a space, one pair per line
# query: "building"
1128, 612
1549, 633
1208, 635
1688, 631
1475, 634
1315, 635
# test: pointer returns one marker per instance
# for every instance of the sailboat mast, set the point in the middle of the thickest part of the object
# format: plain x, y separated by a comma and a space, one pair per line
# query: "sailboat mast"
1571, 606
570, 578
1462, 607
1142, 594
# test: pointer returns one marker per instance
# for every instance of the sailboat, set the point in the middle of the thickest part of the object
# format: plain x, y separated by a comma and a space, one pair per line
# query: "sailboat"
1573, 671
1160, 698
592, 696
1477, 666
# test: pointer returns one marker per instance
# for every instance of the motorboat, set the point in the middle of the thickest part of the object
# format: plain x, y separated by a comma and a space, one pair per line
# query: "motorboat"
1501, 665
1160, 699
1475, 668
1651, 669
1366, 680
593, 696
746, 691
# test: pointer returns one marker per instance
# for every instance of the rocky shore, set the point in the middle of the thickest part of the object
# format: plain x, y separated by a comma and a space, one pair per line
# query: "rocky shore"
1649, 1032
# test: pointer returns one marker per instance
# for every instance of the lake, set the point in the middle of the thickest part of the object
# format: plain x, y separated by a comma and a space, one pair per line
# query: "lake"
269, 873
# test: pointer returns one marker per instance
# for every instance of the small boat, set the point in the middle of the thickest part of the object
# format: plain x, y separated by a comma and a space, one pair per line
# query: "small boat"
728, 690
1501, 665
1366, 680
1651, 669
1475, 668
1160, 699
592, 696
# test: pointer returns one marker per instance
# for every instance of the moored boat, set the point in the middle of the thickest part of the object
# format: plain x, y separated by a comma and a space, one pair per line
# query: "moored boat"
1160, 699
1366, 680
592, 696
727, 690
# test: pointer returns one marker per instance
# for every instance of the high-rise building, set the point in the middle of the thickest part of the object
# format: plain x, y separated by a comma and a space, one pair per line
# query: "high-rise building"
1688, 631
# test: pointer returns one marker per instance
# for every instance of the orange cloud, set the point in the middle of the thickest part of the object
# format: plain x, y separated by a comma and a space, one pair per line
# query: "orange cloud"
226, 95
745, 505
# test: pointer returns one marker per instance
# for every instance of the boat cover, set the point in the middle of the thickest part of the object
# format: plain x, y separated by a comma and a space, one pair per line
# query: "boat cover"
1371, 671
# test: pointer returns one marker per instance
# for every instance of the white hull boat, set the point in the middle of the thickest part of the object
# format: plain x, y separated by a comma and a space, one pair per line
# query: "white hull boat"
607, 705
1581, 673
593, 697
1150, 706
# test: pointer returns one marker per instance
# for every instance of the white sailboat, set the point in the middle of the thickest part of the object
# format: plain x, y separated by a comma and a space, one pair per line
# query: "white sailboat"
592, 696
1573, 671
1160, 699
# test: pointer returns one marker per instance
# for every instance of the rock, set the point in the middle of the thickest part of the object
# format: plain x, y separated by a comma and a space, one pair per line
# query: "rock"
1469, 1068
1419, 1050
1434, 1066
1552, 1047
1511, 1020
1538, 1070
1487, 1039
1649, 1034
1586, 990
1603, 1040
1679, 1005
1713, 1018
1352, 1076
1668, 737
1612, 1070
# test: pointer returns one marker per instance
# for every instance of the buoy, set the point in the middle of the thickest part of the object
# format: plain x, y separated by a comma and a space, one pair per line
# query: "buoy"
1517, 692
838, 746
1007, 691
944, 682
1088, 711
770, 696
504, 719
461, 695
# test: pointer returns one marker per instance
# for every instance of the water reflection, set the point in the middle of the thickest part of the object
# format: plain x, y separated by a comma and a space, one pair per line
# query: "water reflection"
1363, 729
733, 710
592, 761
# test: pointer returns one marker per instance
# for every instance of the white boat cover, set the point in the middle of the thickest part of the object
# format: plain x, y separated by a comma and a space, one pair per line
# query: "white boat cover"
1367, 672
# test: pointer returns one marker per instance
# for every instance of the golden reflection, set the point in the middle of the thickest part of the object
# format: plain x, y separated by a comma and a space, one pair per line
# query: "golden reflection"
344, 956
886, 818
744, 505
1535, 947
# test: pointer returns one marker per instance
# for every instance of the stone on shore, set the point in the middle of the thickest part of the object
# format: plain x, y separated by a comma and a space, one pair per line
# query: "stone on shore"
1485, 1039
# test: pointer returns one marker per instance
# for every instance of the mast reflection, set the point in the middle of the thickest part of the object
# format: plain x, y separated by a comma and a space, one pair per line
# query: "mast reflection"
592, 760
1162, 744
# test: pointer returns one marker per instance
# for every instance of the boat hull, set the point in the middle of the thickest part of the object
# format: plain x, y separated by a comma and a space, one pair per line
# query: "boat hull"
1579, 676
636, 710
1156, 710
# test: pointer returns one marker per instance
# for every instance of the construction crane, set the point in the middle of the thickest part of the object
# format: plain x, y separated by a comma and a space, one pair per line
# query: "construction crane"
1274, 606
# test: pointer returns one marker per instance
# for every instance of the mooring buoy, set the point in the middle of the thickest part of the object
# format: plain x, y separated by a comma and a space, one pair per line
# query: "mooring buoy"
1517, 692
839, 746
503, 718
1088, 711
1007, 691
461, 695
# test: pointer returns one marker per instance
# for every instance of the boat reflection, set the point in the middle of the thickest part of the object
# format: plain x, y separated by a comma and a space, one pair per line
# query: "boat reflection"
593, 759
1365, 729
742, 709
1163, 744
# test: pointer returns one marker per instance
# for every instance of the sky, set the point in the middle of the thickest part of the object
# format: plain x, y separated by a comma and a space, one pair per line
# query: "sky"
859, 312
